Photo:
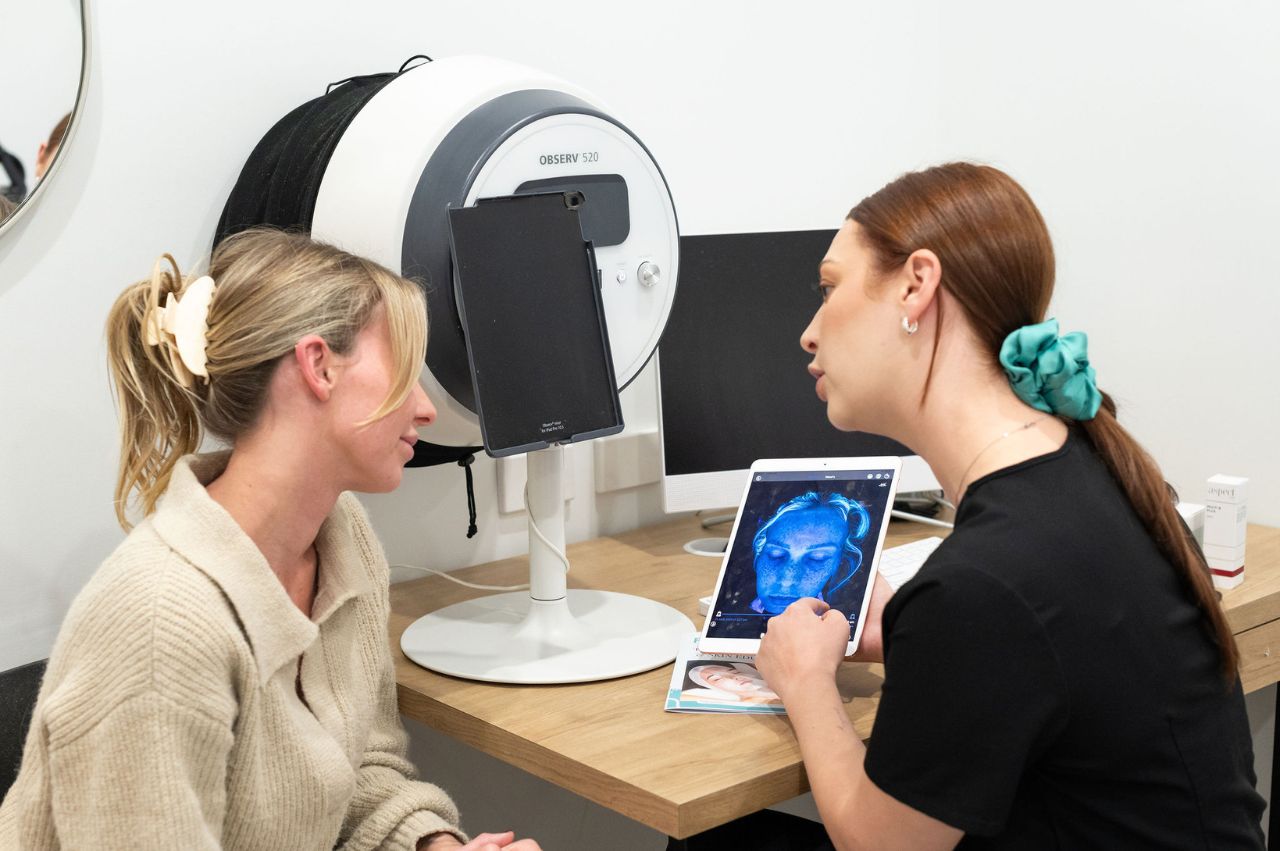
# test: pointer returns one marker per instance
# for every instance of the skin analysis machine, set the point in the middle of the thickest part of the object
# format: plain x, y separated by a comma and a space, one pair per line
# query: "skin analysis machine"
546, 241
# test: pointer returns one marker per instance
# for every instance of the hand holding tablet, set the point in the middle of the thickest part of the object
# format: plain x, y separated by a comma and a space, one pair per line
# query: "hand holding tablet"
805, 528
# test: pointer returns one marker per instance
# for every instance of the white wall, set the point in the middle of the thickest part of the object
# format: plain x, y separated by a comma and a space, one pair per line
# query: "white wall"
1144, 131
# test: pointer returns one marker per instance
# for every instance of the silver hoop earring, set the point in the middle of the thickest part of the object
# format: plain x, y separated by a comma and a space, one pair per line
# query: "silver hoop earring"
910, 327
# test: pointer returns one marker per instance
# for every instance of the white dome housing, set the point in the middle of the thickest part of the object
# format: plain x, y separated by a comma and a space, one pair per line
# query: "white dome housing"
449, 132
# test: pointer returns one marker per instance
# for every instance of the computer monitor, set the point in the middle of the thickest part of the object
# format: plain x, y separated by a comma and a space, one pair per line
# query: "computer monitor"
731, 374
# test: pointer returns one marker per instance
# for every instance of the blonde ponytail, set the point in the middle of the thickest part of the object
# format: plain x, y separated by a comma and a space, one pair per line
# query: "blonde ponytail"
159, 422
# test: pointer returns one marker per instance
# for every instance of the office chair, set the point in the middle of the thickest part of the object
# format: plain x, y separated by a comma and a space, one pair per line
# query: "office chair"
18, 690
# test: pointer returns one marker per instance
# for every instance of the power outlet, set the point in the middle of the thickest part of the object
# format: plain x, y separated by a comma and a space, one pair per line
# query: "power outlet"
627, 460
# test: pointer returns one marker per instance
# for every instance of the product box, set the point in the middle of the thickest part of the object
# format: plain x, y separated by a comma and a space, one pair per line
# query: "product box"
1193, 516
1232, 489
1225, 524
1224, 579
1225, 511
1224, 554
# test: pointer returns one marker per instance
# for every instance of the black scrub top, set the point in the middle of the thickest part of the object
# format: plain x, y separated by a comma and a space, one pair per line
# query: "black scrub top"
1050, 683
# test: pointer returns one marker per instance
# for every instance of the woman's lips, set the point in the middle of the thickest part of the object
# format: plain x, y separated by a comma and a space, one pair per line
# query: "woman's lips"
819, 387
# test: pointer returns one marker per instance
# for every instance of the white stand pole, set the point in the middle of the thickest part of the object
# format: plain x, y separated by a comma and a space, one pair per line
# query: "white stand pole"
549, 620
549, 634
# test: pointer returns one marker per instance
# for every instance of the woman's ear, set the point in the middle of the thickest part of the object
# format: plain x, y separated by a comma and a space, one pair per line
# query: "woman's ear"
921, 275
317, 364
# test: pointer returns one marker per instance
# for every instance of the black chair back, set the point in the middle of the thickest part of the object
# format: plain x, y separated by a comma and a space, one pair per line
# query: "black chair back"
19, 688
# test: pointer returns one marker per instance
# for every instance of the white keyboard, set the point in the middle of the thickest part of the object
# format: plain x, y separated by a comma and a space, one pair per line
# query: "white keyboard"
897, 564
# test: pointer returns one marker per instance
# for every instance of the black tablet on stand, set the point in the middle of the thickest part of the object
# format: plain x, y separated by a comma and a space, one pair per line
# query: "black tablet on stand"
528, 297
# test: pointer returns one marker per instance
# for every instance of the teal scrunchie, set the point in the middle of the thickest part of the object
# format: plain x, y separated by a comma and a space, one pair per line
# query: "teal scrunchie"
1051, 373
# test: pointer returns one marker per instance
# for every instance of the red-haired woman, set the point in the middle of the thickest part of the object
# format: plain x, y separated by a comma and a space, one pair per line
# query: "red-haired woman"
1059, 674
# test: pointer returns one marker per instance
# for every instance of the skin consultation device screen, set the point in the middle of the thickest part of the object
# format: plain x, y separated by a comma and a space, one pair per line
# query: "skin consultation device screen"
809, 534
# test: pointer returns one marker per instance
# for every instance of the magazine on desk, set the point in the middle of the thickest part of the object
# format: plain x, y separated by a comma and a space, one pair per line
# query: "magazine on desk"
718, 683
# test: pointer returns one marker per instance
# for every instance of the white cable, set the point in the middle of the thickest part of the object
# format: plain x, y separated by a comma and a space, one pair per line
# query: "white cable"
928, 521
559, 553
463, 581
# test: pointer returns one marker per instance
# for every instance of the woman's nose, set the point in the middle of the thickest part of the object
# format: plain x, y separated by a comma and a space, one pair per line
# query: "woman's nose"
424, 413
809, 339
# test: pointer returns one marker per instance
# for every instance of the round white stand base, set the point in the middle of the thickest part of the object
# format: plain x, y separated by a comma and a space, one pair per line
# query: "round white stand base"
510, 638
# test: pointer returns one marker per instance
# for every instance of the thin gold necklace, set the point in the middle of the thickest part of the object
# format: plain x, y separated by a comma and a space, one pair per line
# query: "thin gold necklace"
1028, 424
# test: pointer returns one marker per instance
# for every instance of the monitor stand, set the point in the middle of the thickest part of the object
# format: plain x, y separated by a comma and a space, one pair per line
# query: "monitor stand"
717, 519
548, 634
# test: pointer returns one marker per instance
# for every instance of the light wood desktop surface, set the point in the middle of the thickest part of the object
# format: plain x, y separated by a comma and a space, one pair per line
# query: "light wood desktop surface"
612, 742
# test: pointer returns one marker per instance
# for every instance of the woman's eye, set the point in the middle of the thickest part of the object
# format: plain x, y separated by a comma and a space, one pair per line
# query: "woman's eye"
823, 290
820, 558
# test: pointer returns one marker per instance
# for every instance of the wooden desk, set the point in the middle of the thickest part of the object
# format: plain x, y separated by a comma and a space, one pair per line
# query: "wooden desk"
1253, 610
612, 743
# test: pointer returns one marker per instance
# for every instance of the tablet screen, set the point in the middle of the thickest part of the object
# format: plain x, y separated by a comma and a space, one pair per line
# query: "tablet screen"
800, 534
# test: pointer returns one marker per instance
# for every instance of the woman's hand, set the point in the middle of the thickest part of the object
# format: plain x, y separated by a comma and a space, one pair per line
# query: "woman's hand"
483, 842
802, 646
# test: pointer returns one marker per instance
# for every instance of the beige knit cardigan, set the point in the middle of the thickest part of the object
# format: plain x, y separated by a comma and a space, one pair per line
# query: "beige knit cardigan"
169, 716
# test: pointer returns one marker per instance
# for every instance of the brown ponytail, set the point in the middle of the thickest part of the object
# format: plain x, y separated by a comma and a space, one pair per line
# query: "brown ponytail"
998, 264
1154, 501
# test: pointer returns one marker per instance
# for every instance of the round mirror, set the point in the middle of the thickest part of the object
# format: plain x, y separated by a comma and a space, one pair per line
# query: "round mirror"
45, 49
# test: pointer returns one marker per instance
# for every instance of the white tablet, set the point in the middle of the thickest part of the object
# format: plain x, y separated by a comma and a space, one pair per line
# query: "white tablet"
807, 527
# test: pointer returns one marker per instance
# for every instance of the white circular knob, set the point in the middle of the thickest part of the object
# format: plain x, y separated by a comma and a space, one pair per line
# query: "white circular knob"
649, 273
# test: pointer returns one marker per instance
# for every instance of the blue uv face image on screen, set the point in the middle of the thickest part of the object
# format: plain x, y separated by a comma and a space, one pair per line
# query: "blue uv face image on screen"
800, 535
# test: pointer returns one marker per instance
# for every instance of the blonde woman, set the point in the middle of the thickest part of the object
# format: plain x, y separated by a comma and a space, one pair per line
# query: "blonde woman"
224, 680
